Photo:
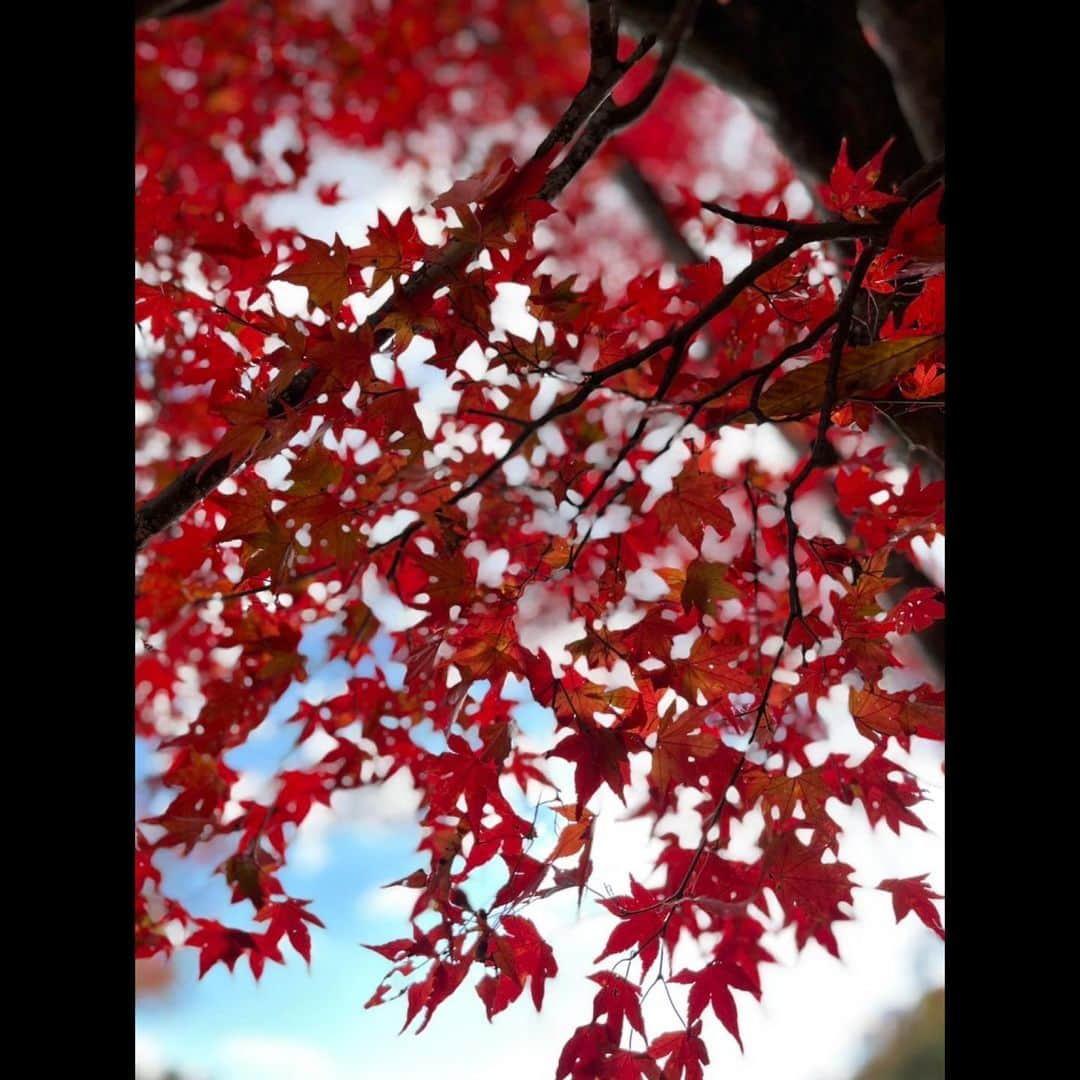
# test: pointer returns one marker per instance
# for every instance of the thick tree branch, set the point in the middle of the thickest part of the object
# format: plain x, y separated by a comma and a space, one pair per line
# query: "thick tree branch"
610, 117
805, 69
910, 38
160, 9
809, 74
676, 247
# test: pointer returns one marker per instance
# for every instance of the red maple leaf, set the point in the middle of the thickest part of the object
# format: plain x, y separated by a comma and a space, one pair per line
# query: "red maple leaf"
391, 249
810, 890
712, 986
685, 1051
600, 756
693, 503
225, 944
618, 1000
913, 894
323, 271
918, 232
328, 194
852, 192
288, 918
642, 916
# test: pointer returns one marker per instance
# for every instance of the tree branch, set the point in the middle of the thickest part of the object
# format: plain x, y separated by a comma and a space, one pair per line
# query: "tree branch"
910, 38
806, 71
160, 9
610, 117
676, 247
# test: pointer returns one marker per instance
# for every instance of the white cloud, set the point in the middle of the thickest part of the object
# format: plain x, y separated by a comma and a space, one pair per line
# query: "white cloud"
542, 624
931, 558
509, 311
368, 181
149, 1059
387, 608
368, 812
257, 1055
383, 903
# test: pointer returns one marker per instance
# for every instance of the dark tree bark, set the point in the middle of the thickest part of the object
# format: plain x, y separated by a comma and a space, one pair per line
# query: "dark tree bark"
911, 40
159, 9
806, 70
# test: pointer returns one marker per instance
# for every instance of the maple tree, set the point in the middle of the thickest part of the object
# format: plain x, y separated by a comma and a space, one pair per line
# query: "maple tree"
575, 477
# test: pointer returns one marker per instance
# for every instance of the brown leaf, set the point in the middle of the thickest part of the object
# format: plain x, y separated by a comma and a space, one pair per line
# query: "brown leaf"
861, 369
706, 585
324, 273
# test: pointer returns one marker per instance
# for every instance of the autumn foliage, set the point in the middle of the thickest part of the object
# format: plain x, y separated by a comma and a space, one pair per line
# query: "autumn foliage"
574, 478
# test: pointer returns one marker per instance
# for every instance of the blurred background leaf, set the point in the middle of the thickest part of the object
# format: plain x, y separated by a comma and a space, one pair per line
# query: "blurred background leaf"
913, 1044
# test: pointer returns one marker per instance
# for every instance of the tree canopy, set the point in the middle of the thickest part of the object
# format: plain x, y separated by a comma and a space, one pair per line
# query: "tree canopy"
491, 445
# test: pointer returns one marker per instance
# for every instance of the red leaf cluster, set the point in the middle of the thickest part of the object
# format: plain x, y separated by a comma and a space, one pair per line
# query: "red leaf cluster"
560, 516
